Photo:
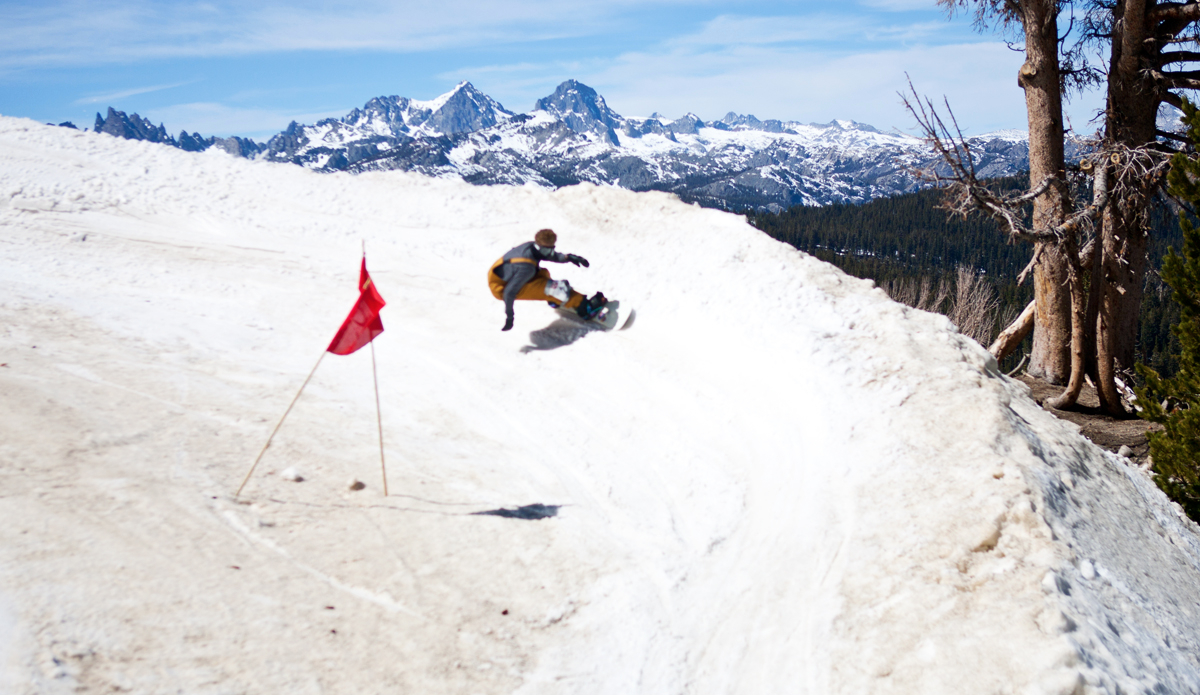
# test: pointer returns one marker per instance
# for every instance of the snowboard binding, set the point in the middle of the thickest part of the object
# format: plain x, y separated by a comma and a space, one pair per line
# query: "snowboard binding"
589, 309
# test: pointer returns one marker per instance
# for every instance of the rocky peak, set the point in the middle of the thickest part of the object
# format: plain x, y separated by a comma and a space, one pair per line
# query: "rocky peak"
688, 124
736, 121
582, 109
132, 127
391, 111
733, 120
465, 109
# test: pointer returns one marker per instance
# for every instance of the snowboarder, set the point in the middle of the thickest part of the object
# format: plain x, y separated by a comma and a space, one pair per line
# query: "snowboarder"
518, 275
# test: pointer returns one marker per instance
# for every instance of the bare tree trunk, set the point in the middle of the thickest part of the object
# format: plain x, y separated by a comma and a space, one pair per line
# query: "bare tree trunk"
1131, 281
1124, 267
1107, 327
1132, 109
1095, 264
1106, 390
1039, 76
1078, 327
1010, 338
1051, 358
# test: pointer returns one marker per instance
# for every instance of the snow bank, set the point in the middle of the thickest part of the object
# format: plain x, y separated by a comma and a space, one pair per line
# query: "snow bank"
777, 481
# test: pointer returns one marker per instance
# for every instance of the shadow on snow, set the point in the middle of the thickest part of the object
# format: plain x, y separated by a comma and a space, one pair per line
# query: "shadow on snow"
531, 512
561, 333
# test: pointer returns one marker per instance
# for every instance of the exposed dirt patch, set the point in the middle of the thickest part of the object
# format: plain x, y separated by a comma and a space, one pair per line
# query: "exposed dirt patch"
1104, 430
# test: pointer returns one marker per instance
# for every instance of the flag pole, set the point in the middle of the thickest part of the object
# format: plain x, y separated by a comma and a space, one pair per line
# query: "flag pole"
280, 424
379, 419
378, 410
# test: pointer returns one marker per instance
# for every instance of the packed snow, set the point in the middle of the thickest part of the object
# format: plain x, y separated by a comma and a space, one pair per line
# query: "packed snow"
776, 481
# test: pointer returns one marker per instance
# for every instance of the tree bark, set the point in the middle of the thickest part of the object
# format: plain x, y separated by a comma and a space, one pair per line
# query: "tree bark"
1039, 77
1132, 109
1050, 358
1010, 338
1079, 337
1106, 332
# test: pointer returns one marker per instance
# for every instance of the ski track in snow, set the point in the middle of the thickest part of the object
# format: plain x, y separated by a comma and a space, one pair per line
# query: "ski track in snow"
777, 481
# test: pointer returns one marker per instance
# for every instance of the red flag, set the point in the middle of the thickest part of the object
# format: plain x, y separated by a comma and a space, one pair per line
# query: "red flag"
363, 324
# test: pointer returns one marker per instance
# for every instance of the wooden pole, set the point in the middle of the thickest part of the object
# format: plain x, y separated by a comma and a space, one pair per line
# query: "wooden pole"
379, 419
280, 424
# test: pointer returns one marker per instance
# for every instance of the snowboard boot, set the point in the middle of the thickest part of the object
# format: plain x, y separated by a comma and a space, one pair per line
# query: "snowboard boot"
589, 308
559, 291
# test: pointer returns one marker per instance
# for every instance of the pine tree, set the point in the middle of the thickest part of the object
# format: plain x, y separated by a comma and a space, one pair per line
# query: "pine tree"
1175, 402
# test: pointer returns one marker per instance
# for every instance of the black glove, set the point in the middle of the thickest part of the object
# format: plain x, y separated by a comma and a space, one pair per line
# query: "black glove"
508, 322
577, 260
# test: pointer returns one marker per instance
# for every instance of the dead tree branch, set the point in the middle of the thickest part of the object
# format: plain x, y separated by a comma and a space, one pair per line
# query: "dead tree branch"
968, 194
1010, 338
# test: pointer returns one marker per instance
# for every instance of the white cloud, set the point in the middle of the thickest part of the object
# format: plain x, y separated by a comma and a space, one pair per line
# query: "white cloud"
898, 5
848, 30
115, 96
71, 32
796, 84
729, 30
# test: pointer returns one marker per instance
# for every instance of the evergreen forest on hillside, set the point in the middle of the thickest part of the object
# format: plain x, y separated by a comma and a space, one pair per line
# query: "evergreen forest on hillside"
911, 238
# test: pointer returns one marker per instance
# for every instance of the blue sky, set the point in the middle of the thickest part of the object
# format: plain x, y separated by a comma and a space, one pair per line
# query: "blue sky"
237, 68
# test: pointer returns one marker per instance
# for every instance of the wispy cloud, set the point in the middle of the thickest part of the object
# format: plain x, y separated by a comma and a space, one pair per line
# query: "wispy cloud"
836, 34
729, 30
897, 5
808, 85
71, 32
116, 96
800, 83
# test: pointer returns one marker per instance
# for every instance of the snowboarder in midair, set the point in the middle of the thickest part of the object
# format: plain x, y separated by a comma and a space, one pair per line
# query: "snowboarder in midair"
518, 275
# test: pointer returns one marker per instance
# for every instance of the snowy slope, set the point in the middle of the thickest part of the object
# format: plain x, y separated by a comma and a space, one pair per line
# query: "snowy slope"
778, 481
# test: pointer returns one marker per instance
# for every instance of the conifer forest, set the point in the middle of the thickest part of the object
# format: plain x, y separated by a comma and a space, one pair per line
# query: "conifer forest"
909, 239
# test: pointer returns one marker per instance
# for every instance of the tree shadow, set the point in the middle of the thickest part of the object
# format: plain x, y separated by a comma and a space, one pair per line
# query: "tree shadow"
530, 512
559, 334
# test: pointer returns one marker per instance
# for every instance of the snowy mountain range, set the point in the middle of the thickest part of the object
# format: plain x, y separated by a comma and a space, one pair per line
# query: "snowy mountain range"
572, 136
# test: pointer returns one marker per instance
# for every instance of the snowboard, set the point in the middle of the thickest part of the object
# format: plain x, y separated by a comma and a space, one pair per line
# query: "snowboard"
610, 317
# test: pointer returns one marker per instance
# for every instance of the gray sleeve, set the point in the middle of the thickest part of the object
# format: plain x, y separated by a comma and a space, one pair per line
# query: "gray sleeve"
555, 257
518, 275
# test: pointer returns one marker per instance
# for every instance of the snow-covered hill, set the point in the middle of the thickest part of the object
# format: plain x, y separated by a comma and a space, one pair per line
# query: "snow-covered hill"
778, 481
573, 136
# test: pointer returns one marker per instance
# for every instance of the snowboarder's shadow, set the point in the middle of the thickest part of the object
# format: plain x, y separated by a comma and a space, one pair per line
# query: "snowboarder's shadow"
561, 333
530, 512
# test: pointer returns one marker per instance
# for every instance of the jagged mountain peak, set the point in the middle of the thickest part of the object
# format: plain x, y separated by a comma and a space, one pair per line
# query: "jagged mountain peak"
582, 109
843, 124
687, 124
464, 88
131, 127
465, 109
573, 96
737, 121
